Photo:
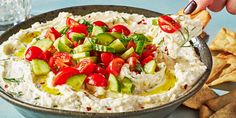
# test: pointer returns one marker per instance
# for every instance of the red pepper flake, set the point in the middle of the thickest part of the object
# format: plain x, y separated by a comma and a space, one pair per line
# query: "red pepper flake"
88, 108
139, 22
142, 107
166, 49
89, 16
5, 86
108, 108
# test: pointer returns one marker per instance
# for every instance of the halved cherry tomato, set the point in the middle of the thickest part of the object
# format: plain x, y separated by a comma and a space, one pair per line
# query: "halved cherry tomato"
106, 58
52, 34
167, 24
100, 24
75, 44
63, 75
146, 60
71, 22
81, 28
96, 80
132, 61
101, 70
34, 52
134, 54
86, 67
150, 50
115, 66
59, 61
120, 29
131, 44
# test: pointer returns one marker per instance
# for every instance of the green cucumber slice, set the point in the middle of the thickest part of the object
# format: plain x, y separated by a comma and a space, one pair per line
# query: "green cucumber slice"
77, 36
127, 86
90, 41
127, 53
150, 67
93, 59
116, 35
104, 38
40, 67
83, 48
63, 30
63, 48
80, 55
66, 41
114, 84
118, 46
97, 30
102, 48
76, 81
44, 44
140, 46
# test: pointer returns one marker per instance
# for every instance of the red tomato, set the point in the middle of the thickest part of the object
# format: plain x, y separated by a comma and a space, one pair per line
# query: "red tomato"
146, 60
63, 75
75, 44
81, 28
150, 50
132, 61
34, 52
71, 22
52, 34
167, 24
59, 61
96, 80
106, 58
115, 66
48, 55
100, 24
86, 67
101, 70
134, 54
120, 29
131, 44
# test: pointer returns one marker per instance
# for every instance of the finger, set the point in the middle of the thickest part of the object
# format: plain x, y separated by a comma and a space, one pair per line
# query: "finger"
202, 4
231, 6
217, 5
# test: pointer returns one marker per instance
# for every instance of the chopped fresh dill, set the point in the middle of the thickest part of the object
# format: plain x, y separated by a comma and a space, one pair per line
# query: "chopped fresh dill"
124, 19
12, 80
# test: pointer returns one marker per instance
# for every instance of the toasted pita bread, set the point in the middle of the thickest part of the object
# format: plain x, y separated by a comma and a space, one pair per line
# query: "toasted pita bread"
225, 41
229, 111
203, 95
204, 16
205, 112
219, 102
218, 65
230, 77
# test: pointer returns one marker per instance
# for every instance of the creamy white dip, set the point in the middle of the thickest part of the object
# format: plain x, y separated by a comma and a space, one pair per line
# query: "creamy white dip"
187, 67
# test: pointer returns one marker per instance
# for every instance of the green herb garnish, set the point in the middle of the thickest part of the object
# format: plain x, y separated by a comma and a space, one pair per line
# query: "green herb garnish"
12, 80
154, 22
125, 20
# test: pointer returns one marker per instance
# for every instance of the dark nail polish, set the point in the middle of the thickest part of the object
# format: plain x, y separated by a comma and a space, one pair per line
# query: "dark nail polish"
190, 7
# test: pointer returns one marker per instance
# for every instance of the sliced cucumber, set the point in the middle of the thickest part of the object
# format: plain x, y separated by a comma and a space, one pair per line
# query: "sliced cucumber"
63, 48
150, 67
83, 48
127, 53
116, 35
140, 46
97, 30
105, 38
77, 36
40, 67
127, 86
118, 46
44, 44
93, 59
63, 30
114, 84
102, 48
80, 55
66, 41
76, 81
90, 41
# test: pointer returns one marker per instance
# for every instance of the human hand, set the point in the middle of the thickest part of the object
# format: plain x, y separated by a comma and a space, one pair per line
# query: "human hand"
214, 5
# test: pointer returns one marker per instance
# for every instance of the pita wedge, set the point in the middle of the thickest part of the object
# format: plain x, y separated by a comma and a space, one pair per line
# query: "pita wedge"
203, 15
219, 102
203, 95
225, 41
218, 65
230, 77
205, 112
229, 111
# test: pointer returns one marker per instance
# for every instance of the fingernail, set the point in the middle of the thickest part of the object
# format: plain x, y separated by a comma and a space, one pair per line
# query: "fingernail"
190, 7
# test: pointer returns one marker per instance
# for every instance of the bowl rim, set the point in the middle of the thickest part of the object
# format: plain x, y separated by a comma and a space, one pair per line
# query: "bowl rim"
196, 87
